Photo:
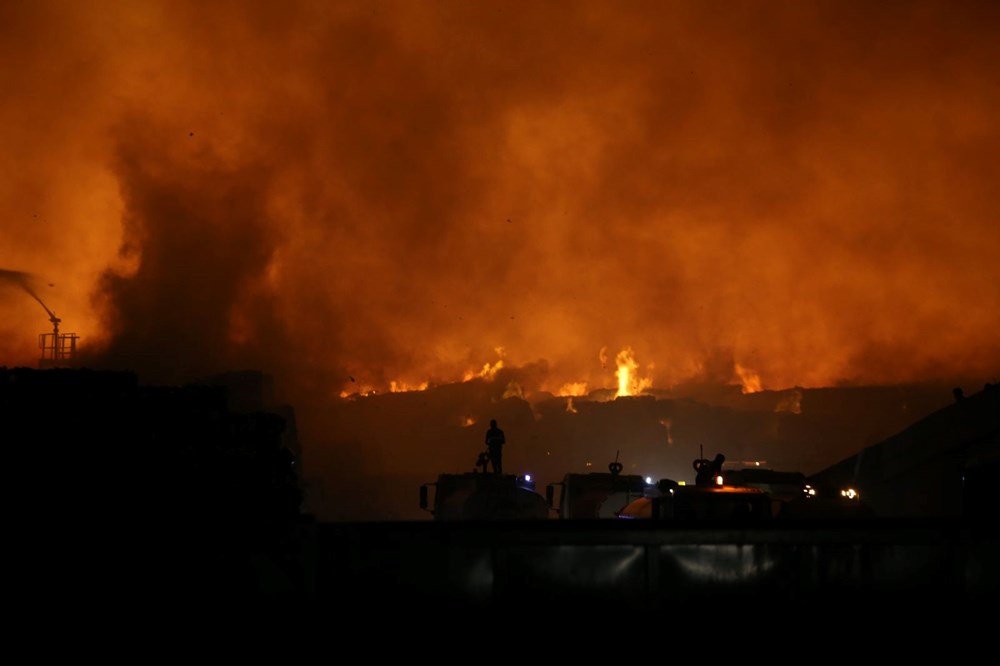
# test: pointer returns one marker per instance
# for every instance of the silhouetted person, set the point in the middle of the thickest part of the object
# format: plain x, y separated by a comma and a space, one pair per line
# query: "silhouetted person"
483, 461
709, 470
494, 444
959, 394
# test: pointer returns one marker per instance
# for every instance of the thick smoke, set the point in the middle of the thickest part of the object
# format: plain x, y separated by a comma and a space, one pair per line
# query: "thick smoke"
360, 196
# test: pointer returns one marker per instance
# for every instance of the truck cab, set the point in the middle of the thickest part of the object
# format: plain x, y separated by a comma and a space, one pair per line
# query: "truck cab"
674, 501
596, 494
481, 496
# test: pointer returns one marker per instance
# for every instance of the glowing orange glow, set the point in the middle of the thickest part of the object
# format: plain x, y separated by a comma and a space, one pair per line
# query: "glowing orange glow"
769, 216
402, 387
488, 371
749, 379
624, 372
666, 425
792, 403
513, 390
574, 389
628, 382
367, 200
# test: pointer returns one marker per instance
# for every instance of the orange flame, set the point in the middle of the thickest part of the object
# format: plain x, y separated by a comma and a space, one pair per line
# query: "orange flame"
489, 371
628, 384
572, 389
749, 379
403, 387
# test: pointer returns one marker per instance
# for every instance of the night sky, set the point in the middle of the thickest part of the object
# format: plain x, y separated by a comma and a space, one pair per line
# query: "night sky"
368, 197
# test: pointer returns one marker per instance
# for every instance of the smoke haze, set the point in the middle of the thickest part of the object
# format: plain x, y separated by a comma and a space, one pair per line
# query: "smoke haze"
364, 197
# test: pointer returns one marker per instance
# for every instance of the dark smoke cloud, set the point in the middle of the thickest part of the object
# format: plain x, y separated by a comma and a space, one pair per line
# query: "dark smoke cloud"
200, 236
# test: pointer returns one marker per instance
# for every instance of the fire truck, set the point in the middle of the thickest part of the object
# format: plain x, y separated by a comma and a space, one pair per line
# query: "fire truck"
748, 494
483, 496
596, 494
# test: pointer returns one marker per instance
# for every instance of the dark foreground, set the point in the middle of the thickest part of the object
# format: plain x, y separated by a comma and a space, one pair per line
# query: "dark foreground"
644, 565
165, 493
568, 565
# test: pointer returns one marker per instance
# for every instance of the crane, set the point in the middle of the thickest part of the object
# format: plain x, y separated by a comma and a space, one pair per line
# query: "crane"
52, 315
61, 347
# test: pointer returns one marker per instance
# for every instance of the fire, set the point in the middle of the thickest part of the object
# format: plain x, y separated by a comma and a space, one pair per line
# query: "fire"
403, 387
395, 386
628, 383
749, 379
572, 389
627, 375
365, 390
489, 371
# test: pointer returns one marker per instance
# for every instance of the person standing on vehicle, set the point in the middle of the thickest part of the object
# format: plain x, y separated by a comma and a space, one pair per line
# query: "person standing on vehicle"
709, 471
494, 444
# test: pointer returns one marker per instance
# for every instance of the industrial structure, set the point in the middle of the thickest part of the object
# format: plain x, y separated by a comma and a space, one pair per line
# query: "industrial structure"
944, 465
57, 349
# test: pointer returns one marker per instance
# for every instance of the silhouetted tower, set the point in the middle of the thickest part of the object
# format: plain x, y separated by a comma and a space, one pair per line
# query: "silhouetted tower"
58, 349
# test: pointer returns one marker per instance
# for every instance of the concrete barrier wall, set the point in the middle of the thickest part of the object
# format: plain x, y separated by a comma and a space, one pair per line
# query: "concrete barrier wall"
644, 565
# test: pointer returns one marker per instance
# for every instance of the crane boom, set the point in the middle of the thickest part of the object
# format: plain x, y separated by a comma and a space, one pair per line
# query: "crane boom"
52, 315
